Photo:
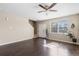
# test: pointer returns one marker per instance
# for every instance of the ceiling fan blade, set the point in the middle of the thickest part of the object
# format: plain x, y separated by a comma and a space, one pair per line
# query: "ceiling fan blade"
41, 11
42, 7
53, 10
52, 5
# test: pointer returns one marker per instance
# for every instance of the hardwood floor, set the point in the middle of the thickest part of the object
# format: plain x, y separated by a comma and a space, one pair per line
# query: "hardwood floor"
39, 47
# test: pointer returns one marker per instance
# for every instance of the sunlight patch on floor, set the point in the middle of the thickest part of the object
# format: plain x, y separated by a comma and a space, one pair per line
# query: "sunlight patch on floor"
56, 49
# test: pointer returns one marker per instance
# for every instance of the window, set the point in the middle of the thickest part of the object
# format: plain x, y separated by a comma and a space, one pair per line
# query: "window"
59, 27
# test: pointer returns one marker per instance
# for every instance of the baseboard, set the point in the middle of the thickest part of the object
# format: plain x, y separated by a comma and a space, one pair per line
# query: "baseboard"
42, 37
65, 42
38, 38
59, 41
15, 41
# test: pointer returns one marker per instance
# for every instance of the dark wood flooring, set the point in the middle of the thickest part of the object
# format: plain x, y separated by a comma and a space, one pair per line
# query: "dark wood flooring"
39, 47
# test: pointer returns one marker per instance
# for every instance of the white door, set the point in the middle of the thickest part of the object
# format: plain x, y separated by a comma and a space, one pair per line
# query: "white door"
42, 30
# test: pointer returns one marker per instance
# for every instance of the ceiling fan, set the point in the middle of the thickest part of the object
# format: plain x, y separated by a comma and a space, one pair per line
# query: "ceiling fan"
46, 7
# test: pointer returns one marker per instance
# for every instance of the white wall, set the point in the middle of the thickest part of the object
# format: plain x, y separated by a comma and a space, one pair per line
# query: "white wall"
14, 28
61, 37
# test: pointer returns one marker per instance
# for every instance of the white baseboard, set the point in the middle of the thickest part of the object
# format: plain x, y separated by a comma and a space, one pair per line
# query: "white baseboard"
66, 42
14, 41
63, 41
32, 38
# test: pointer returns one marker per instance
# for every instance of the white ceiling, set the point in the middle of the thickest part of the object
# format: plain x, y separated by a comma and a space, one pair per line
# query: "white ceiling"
30, 10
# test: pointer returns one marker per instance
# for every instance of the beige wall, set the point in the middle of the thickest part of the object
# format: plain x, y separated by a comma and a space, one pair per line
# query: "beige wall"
60, 37
14, 28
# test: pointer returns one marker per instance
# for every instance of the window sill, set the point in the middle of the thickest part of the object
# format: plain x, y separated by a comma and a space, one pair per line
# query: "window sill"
60, 33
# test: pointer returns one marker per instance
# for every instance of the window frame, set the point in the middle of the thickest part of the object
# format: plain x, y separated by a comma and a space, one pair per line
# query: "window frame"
58, 28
